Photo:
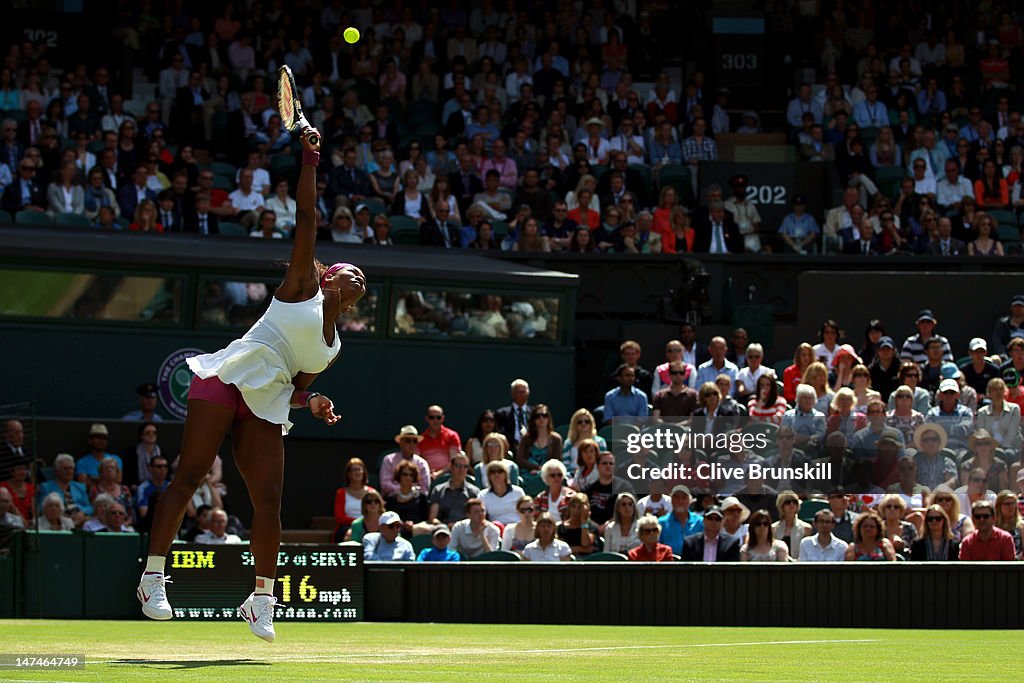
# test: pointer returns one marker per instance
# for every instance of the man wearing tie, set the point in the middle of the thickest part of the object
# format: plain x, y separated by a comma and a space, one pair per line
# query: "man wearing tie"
946, 245
168, 214
30, 131
867, 244
437, 232
719, 235
349, 185
202, 221
13, 447
512, 420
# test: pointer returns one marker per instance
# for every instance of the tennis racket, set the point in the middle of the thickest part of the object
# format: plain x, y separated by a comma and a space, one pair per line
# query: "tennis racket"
288, 104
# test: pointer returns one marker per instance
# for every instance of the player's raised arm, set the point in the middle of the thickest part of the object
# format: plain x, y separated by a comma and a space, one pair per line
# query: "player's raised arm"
300, 282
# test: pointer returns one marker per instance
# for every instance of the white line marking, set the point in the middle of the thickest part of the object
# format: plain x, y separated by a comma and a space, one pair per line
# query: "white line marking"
433, 653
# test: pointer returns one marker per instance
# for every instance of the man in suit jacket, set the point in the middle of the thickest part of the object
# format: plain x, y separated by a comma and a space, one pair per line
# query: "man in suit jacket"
720, 235
438, 232
726, 548
465, 183
24, 187
130, 194
333, 62
13, 449
168, 214
384, 127
867, 244
30, 131
512, 419
348, 181
459, 120
202, 220
946, 245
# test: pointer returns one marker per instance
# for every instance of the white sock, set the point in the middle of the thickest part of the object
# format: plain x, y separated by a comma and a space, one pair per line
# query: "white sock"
264, 586
155, 564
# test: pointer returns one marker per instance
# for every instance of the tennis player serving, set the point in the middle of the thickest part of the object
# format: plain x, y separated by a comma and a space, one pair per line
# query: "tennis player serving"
248, 388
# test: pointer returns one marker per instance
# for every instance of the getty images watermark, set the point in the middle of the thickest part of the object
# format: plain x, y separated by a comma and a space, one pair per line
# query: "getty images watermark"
720, 449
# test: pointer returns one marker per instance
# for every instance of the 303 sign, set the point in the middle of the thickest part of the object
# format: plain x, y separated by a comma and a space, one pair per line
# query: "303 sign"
739, 61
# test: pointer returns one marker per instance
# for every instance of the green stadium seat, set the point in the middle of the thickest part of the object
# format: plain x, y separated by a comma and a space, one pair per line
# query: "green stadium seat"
405, 239
679, 177
375, 205
497, 556
96, 146
223, 183
1008, 233
1002, 216
421, 543
400, 224
533, 485
6, 217
644, 171
233, 230
282, 164
780, 367
809, 508
605, 557
563, 430
221, 168
500, 229
72, 219
19, 115
33, 218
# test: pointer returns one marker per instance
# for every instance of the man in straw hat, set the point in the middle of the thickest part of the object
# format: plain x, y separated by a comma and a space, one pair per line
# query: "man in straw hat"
408, 439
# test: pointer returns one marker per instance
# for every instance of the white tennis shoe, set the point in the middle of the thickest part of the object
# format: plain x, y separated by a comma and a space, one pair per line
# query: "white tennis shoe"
258, 612
152, 593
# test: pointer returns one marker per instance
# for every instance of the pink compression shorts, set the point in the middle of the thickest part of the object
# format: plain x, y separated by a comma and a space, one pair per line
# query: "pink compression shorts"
215, 391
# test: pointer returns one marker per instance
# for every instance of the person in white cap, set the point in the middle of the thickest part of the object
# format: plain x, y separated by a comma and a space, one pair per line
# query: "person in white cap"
736, 514
980, 370
387, 545
957, 418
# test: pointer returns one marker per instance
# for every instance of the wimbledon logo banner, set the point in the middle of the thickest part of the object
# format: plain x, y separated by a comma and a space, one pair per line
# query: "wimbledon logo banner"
173, 380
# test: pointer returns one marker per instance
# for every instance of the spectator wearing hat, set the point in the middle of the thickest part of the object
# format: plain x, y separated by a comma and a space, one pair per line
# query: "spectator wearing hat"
987, 543
884, 369
735, 516
983, 446
87, 470
913, 346
799, 231
598, 146
1008, 326
956, 418
744, 212
439, 551
147, 394
1000, 417
934, 468
408, 439
387, 545
680, 523
979, 371
650, 549
710, 545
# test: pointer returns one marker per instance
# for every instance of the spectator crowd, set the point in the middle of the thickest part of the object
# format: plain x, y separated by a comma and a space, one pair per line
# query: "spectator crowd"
522, 126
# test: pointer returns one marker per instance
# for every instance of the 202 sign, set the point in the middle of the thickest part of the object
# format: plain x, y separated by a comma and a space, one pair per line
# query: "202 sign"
766, 194
48, 38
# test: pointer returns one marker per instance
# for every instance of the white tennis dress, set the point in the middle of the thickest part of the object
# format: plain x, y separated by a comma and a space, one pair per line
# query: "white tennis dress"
287, 340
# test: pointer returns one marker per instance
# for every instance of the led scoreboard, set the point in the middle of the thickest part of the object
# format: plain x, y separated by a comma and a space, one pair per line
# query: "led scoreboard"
314, 582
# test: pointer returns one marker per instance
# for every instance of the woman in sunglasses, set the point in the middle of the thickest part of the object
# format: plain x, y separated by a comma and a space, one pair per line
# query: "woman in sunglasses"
960, 525
541, 443
1009, 520
869, 541
898, 530
760, 545
938, 543
581, 426
555, 498
622, 533
520, 534
983, 446
902, 415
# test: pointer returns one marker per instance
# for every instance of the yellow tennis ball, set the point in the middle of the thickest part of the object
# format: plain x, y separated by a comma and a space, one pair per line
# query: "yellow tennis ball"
351, 35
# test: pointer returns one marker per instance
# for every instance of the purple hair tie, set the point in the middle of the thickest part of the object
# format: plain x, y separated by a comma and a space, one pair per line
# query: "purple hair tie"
331, 271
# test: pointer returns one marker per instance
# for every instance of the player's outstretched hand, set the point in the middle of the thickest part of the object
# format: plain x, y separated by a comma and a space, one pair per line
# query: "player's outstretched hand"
306, 144
323, 409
